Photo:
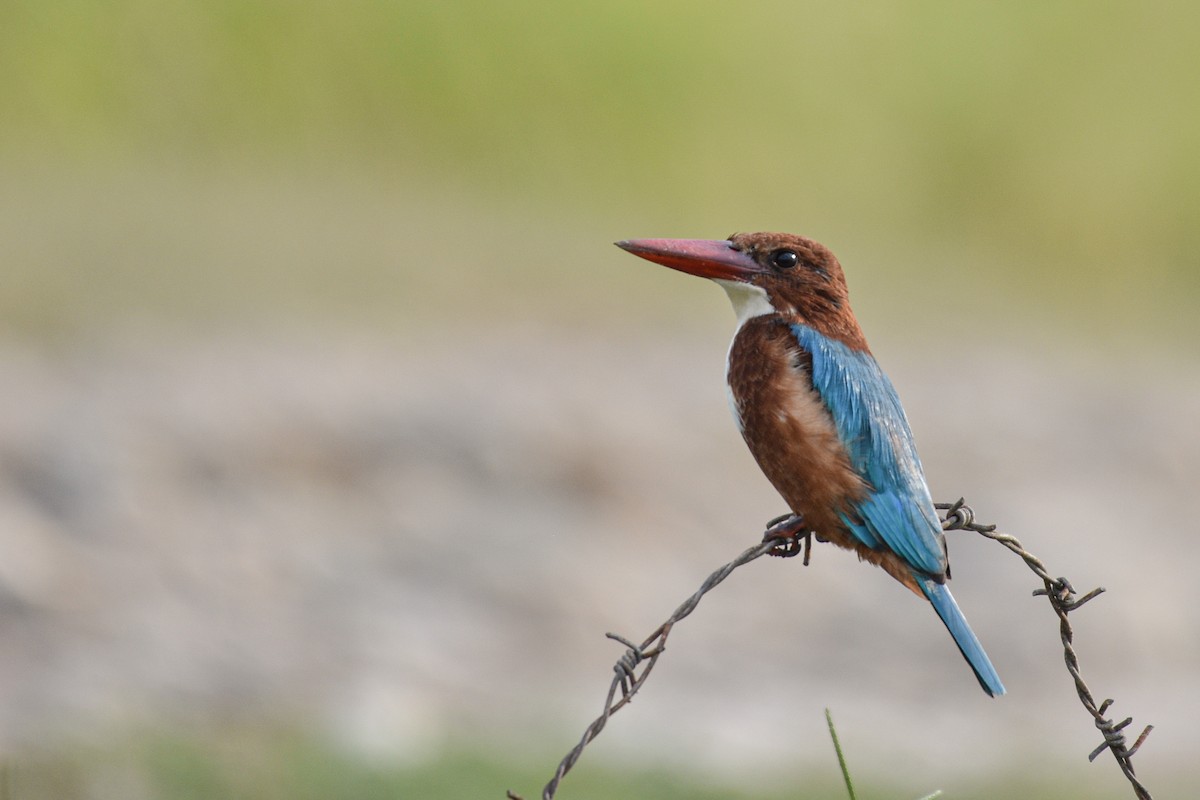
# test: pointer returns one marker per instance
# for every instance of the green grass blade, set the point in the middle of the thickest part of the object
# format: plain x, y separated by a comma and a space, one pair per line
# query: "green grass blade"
837, 746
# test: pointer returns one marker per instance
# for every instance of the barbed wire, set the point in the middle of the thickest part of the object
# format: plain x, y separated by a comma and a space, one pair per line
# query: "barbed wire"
627, 678
786, 539
1063, 600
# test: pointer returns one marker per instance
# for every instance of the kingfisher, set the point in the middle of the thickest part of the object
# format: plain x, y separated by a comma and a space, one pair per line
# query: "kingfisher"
820, 417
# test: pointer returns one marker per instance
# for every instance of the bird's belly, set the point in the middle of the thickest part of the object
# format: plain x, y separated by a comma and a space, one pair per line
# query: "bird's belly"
792, 437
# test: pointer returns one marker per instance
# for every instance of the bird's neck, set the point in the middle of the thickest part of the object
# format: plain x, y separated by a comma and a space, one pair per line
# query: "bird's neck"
749, 301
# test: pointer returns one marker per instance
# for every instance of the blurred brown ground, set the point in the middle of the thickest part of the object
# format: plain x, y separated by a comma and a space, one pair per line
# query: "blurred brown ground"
413, 543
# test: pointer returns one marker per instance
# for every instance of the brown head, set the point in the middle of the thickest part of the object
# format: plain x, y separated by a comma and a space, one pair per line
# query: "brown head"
763, 273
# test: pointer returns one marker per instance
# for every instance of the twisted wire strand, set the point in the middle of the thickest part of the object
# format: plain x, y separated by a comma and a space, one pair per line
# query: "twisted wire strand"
1063, 600
628, 680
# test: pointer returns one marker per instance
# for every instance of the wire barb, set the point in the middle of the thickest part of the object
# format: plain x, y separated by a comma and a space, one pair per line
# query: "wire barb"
633, 668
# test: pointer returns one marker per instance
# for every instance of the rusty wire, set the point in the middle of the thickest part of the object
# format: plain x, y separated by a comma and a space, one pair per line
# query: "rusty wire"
1061, 595
634, 666
627, 678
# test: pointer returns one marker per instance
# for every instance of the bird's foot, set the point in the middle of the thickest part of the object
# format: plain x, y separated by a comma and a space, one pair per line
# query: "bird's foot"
792, 535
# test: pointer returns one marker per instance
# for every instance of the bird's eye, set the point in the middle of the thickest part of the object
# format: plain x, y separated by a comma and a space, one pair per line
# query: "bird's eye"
785, 259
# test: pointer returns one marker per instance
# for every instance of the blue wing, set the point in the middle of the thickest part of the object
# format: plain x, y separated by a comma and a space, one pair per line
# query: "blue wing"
898, 513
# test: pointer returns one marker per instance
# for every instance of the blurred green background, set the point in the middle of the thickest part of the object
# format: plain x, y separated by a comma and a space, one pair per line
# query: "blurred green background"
207, 169
217, 158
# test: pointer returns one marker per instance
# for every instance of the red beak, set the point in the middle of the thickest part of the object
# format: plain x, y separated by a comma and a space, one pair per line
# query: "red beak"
707, 259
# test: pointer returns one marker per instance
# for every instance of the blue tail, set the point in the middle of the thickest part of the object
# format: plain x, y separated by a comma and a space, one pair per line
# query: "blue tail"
964, 637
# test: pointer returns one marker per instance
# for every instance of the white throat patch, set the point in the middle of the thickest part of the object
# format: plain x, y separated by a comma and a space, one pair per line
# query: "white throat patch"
749, 301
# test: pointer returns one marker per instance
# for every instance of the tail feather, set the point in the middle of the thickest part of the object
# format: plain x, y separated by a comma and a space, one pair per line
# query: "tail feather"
964, 637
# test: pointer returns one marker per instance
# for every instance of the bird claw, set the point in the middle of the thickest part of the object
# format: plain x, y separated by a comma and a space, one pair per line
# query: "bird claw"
792, 535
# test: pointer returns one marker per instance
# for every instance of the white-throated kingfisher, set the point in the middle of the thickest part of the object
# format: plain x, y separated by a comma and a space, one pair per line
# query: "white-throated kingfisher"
820, 417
